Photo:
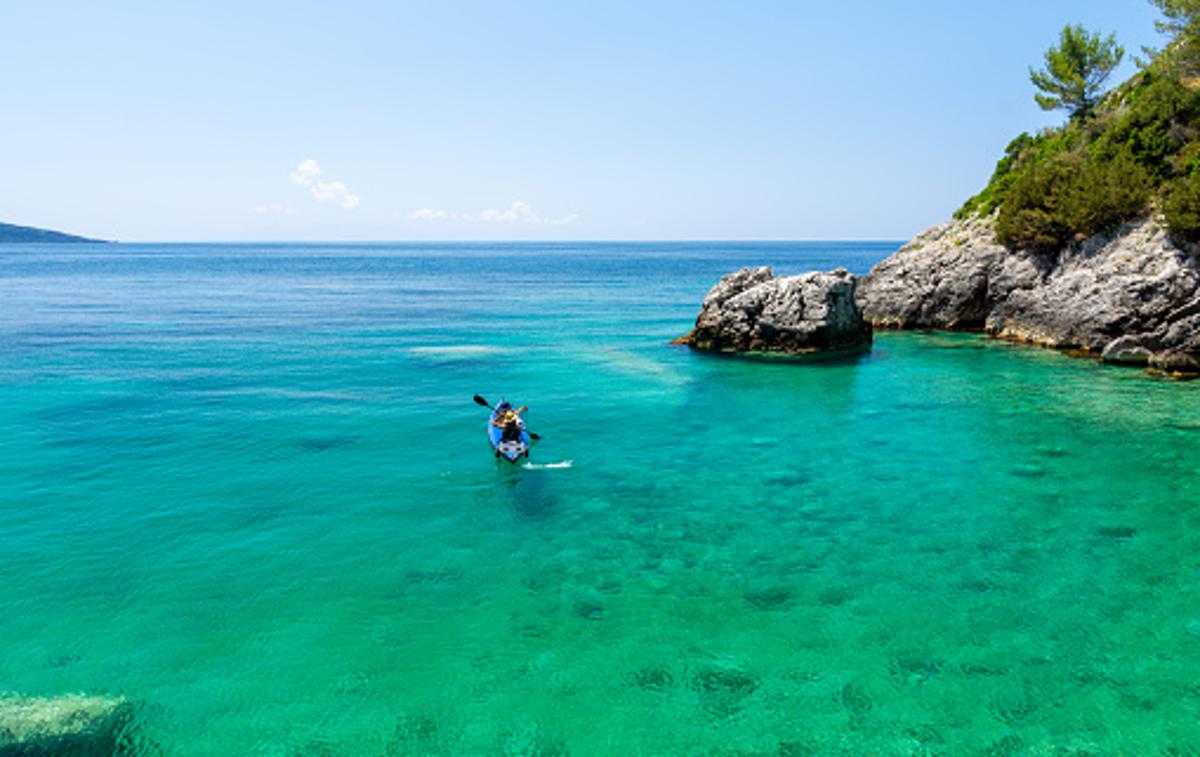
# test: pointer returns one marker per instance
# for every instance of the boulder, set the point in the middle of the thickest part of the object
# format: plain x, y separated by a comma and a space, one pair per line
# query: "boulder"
1127, 349
753, 310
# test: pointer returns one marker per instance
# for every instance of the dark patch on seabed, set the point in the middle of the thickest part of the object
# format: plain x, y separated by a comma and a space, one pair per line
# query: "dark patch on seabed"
323, 443
531, 497
654, 679
1116, 532
770, 598
722, 690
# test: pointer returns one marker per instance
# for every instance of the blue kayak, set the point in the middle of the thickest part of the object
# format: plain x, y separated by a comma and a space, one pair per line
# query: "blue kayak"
510, 449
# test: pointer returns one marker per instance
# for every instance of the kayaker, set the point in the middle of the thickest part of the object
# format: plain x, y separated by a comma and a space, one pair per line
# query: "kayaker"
509, 419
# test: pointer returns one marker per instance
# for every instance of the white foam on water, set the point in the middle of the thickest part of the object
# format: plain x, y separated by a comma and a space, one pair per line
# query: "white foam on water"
548, 466
455, 351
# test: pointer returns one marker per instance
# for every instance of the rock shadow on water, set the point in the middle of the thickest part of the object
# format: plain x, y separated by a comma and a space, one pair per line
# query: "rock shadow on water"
845, 358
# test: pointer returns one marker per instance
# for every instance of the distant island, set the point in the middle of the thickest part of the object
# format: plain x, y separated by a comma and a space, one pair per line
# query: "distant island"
13, 234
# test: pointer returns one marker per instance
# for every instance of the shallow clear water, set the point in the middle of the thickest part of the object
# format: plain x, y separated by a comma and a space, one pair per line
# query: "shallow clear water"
246, 487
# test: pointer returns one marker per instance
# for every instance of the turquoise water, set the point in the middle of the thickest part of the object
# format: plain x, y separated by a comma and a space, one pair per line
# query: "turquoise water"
246, 487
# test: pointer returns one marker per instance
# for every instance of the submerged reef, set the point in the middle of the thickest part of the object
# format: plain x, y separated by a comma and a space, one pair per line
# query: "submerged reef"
75, 724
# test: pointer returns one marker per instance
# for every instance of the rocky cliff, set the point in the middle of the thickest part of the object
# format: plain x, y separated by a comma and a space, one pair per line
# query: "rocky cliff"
753, 310
1131, 296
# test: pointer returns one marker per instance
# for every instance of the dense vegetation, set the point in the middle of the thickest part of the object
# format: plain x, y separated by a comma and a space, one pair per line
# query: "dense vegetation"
1133, 151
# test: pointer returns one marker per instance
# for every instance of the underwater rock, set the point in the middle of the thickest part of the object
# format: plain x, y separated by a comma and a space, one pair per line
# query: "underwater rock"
324, 443
1116, 532
724, 679
915, 668
797, 749
753, 310
722, 689
855, 699
835, 596
74, 724
529, 739
589, 609
771, 598
1005, 747
414, 734
63, 659
654, 679
1128, 350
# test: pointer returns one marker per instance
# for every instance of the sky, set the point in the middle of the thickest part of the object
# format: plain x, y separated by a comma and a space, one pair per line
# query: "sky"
358, 120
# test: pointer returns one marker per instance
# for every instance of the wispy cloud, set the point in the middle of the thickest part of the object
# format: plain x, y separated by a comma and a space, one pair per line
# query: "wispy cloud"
517, 212
429, 214
274, 208
308, 175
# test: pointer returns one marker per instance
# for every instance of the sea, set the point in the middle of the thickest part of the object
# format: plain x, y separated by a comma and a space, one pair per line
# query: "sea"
245, 487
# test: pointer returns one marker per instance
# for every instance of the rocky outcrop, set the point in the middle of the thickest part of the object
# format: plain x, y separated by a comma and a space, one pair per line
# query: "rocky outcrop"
1132, 297
66, 725
753, 310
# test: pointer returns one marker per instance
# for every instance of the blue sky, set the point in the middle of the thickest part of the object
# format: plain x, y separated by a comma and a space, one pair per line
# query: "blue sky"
518, 120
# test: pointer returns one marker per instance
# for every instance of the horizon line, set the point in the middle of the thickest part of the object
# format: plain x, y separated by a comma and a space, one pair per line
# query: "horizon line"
680, 240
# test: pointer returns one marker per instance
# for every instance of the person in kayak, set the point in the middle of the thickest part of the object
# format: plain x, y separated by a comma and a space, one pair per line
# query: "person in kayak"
509, 420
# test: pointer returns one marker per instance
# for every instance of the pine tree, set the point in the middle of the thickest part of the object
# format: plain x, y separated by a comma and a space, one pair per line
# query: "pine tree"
1077, 68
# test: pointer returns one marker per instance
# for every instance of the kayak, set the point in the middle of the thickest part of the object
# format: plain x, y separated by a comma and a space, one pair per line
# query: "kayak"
510, 449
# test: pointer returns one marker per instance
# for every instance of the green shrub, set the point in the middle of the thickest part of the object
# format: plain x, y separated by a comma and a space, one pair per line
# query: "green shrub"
1071, 195
1110, 192
1155, 120
1138, 147
1181, 208
986, 202
1032, 215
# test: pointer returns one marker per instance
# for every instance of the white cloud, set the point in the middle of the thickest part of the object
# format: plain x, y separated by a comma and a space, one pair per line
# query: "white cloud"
429, 214
308, 175
517, 212
274, 208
